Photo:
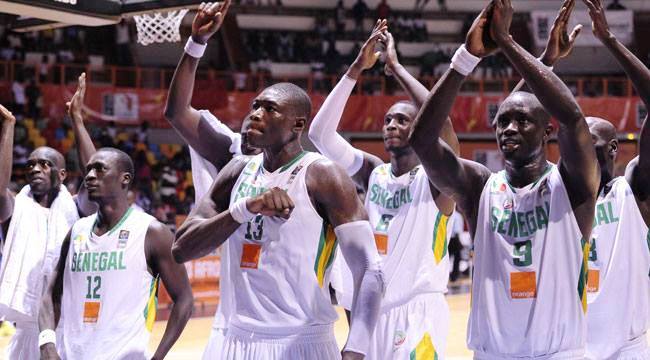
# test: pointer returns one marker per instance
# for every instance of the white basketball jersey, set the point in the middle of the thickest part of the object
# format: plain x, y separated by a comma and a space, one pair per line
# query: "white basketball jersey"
410, 233
280, 268
618, 289
528, 288
109, 296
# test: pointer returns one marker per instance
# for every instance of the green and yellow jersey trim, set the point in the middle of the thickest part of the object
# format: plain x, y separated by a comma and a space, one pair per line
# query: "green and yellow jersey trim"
440, 237
326, 252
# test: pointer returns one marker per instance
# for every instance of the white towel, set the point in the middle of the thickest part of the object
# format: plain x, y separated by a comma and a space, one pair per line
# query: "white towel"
31, 251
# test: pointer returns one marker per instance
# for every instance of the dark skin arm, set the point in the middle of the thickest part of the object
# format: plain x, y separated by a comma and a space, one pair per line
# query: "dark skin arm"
335, 198
85, 146
638, 171
418, 94
210, 224
560, 43
578, 165
159, 240
187, 121
49, 313
366, 59
461, 179
6, 158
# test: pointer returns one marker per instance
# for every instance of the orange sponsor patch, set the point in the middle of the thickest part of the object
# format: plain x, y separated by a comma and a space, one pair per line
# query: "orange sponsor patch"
382, 243
250, 256
523, 285
593, 281
91, 311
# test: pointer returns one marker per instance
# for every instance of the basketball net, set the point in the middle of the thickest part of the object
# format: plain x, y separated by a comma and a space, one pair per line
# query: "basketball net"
159, 27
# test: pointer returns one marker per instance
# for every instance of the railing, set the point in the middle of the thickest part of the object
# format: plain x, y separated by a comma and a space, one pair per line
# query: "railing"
159, 78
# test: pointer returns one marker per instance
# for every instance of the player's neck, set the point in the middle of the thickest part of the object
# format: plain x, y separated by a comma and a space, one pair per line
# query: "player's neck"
109, 214
47, 198
522, 173
276, 158
403, 162
606, 176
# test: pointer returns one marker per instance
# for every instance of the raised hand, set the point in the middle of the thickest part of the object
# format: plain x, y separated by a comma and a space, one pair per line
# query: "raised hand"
501, 20
391, 54
560, 43
599, 24
6, 115
208, 20
478, 41
273, 202
75, 105
367, 55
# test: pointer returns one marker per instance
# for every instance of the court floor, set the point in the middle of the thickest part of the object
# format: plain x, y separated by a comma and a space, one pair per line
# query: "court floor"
191, 343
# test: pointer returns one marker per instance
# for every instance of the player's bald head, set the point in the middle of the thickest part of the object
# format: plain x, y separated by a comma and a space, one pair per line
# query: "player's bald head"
527, 104
601, 128
294, 96
118, 157
406, 107
50, 154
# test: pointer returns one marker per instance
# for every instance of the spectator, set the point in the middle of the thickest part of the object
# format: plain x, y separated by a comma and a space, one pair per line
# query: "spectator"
383, 10
167, 185
616, 5
18, 91
122, 42
359, 11
339, 15
33, 94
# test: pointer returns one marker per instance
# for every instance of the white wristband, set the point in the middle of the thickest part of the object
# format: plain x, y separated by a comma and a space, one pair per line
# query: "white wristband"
46, 336
194, 49
463, 61
239, 211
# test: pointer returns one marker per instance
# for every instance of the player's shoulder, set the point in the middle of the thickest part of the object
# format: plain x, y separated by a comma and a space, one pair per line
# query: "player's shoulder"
158, 232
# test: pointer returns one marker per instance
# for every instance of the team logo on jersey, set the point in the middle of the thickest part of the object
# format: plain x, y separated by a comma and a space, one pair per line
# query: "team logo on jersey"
508, 204
79, 240
399, 338
543, 188
496, 188
123, 237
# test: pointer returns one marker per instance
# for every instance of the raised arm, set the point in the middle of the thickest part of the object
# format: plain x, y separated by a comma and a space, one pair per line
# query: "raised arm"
416, 91
6, 162
85, 146
461, 179
639, 74
560, 43
322, 131
174, 276
49, 313
576, 147
211, 142
335, 197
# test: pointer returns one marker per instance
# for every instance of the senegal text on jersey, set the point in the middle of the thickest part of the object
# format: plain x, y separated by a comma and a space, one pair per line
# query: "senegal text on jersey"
380, 196
98, 261
519, 223
604, 216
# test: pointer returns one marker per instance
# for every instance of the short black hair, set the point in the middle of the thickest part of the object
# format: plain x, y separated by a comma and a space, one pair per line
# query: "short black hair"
124, 162
297, 97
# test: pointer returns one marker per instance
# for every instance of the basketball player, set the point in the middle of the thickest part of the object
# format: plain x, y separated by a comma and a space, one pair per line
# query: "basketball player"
277, 210
619, 259
408, 214
531, 222
106, 280
212, 145
34, 223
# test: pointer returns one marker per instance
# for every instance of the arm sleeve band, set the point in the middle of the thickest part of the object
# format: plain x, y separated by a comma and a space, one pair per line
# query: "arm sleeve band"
322, 131
360, 252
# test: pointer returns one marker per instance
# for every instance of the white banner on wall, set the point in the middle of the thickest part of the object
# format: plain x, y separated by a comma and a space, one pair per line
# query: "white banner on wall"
621, 23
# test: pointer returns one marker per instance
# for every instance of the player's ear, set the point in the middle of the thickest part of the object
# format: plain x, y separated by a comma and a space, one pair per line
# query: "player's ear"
299, 124
126, 179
